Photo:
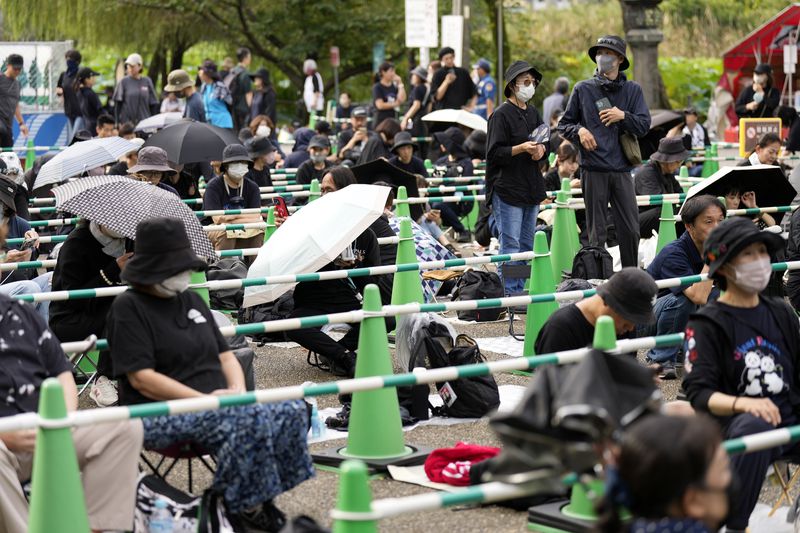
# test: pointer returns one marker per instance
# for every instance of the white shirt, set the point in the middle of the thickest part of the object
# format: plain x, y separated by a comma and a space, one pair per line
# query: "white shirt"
698, 140
312, 102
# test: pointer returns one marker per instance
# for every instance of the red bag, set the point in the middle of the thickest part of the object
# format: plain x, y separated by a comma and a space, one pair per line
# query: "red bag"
452, 465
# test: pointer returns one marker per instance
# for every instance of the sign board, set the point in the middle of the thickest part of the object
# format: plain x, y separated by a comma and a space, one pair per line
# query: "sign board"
789, 58
335, 56
751, 129
422, 24
453, 34
44, 61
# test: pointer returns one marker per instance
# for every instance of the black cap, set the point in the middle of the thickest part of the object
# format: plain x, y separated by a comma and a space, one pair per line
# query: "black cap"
319, 141
86, 72
402, 138
763, 68
359, 111
631, 293
730, 237
235, 153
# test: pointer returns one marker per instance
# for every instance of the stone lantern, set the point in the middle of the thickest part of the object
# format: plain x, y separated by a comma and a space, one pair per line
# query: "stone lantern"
643, 21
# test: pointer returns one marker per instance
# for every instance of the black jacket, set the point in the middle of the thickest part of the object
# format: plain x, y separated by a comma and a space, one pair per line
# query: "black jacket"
517, 179
649, 179
767, 107
793, 254
713, 372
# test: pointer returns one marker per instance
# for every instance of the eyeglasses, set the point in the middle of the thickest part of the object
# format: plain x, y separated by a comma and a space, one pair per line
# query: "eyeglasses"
528, 82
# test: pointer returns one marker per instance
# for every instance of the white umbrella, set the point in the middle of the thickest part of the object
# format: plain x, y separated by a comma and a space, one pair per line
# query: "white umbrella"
81, 157
157, 122
458, 116
314, 236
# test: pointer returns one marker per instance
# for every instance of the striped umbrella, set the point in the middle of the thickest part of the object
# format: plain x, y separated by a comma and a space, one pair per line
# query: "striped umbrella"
157, 122
81, 157
121, 205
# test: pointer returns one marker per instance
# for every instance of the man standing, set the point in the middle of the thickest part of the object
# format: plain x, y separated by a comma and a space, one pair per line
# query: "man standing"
452, 87
557, 100
312, 88
9, 100
179, 82
241, 89
599, 112
134, 95
487, 89
65, 86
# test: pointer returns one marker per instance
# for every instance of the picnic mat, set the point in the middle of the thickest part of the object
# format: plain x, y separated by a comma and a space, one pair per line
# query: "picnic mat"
507, 345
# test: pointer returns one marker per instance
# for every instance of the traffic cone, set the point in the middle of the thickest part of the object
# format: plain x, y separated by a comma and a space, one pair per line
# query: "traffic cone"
198, 278
407, 286
605, 336
314, 189
582, 502
57, 501
428, 166
354, 497
375, 430
710, 165
270, 229
561, 243
573, 233
541, 282
30, 155
666, 226
551, 159
403, 209
684, 173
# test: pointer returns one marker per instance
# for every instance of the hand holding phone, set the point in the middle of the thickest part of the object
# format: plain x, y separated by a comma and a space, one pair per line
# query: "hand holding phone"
602, 104
280, 207
27, 244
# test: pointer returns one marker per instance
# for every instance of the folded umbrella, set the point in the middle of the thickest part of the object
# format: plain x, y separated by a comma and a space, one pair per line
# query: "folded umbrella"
121, 204
458, 116
157, 122
313, 237
188, 141
81, 157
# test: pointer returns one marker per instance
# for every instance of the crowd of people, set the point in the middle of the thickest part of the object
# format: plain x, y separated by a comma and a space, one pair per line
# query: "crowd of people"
738, 359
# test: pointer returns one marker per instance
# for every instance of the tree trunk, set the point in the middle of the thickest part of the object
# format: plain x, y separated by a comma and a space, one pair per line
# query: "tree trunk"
157, 65
491, 8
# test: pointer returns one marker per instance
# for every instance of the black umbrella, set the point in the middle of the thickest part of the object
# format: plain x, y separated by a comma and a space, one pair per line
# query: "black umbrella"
661, 121
767, 181
565, 412
188, 141
381, 170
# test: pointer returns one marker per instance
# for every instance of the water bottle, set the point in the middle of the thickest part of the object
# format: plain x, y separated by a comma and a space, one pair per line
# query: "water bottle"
161, 518
316, 423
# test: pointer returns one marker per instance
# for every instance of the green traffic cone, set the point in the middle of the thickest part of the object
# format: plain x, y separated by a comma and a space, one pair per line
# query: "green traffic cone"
605, 336
270, 229
710, 165
573, 222
354, 497
666, 226
428, 164
407, 286
472, 216
684, 172
314, 190
196, 279
403, 209
582, 501
57, 501
551, 159
312, 120
30, 155
541, 282
375, 430
561, 244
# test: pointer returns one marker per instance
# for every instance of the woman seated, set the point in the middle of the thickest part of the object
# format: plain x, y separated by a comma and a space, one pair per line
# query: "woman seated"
165, 346
677, 484
742, 353
736, 198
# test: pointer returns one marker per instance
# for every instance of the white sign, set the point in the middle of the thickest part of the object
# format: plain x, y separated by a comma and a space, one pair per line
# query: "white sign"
43, 62
453, 34
789, 58
422, 27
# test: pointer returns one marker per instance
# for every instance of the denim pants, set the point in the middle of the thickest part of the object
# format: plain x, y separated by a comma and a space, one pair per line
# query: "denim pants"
38, 284
672, 314
515, 226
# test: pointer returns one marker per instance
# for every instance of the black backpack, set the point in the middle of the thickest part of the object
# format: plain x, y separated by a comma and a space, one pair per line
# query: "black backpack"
276, 310
592, 262
227, 268
479, 285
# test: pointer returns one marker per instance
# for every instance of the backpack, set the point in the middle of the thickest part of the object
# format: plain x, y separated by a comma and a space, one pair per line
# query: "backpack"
479, 285
227, 268
277, 310
203, 514
231, 80
472, 397
592, 262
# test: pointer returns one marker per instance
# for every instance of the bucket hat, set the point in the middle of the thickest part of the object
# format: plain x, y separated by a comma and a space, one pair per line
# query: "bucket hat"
421, 73
178, 80
258, 146
151, 158
631, 292
615, 43
403, 138
515, 69
730, 237
234, 153
670, 150
161, 249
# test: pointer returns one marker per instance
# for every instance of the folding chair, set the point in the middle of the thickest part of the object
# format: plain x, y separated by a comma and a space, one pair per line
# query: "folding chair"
84, 365
172, 455
787, 478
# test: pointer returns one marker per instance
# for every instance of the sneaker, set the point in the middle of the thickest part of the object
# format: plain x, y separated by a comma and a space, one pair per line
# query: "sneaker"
104, 392
268, 518
668, 372
464, 237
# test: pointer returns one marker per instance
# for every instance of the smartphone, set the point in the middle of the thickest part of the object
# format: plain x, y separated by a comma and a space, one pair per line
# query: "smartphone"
27, 244
436, 212
603, 104
280, 207
129, 245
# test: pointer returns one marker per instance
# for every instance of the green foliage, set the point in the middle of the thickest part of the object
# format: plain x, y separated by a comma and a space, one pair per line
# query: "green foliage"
690, 81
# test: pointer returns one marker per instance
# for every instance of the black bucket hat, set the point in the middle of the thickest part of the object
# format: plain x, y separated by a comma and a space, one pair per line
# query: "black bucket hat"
670, 150
515, 69
403, 138
235, 153
615, 43
258, 146
731, 237
161, 249
631, 293
453, 140
8, 189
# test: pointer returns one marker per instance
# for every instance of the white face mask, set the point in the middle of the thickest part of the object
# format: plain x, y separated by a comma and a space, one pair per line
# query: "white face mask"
753, 276
263, 131
526, 93
174, 285
758, 97
113, 243
236, 171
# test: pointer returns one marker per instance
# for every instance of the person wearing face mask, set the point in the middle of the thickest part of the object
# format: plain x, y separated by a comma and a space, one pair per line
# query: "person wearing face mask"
678, 484
741, 351
658, 177
761, 99
599, 112
514, 183
231, 190
319, 148
263, 155
165, 345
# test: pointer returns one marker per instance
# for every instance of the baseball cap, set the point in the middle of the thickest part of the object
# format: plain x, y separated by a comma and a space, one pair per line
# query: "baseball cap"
359, 111
483, 64
134, 59
631, 293
319, 141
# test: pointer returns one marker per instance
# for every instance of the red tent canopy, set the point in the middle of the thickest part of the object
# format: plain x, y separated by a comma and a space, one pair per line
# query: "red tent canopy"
763, 45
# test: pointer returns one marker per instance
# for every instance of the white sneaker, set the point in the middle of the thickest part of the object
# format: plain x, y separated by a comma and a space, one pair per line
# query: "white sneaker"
104, 392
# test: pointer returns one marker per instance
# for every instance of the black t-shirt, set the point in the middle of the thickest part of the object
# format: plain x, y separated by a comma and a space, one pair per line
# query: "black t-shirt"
218, 195
176, 337
388, 95
72, 106
29, 354
415, 166
566, 329
458, 93
418, 93
306, 172
262, 177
